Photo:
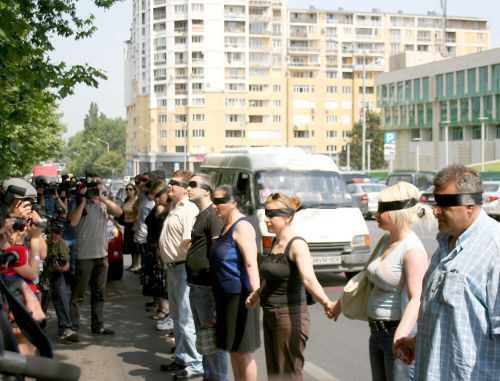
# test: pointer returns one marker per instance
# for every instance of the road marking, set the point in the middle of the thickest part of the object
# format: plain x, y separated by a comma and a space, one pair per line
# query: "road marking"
318, 373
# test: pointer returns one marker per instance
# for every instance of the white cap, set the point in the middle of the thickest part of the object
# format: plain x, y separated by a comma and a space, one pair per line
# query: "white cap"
19, 188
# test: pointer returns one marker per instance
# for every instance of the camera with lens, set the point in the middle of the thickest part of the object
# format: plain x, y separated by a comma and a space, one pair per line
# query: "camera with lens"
59, 259
51, 189
92, 190
19, 224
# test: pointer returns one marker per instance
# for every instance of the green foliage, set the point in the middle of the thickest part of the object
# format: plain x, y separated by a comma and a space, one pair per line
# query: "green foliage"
87, 153
373, 132
31, 83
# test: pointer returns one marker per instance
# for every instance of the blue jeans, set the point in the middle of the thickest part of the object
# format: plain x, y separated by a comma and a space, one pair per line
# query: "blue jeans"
382, 361
215, 365
60, 298
180, 310
71, 243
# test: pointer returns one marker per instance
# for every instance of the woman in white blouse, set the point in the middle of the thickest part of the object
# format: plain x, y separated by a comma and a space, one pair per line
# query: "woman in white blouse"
396, 271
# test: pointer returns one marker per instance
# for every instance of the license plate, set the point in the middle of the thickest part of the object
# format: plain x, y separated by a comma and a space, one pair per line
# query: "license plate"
327, 260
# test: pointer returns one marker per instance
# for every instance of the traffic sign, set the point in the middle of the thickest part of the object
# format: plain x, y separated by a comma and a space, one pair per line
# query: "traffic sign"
389, 138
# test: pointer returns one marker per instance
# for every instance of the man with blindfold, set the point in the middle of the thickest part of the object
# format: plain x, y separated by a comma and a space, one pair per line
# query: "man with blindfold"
174, 242
206, 230
458, 335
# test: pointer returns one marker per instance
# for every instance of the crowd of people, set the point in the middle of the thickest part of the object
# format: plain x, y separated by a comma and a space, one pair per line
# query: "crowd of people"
197, 256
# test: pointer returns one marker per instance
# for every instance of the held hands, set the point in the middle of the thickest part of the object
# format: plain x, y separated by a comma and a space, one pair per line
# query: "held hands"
404, 349
335, 311
329, 307
252, 299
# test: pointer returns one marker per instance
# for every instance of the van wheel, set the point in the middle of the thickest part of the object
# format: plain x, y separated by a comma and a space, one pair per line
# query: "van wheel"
350, 274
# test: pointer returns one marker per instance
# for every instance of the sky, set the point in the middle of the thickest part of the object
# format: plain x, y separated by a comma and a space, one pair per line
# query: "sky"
105, 50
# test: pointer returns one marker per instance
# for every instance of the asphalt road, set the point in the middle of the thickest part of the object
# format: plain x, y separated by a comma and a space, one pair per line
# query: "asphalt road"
335, 350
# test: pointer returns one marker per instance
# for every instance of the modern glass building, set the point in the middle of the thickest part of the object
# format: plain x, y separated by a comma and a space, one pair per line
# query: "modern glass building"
439, 109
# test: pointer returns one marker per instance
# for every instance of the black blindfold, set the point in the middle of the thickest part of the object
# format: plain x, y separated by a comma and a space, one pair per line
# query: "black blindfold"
160, 192
464, 199
222, 200
284, 212
384, 206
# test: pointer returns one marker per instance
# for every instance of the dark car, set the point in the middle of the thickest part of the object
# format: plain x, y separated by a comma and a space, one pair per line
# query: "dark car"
421, 180
427, 196
115, 250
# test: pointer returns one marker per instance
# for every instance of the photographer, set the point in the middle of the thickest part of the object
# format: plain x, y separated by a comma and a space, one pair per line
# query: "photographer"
91, 217
67, 193
57, 264
48, 197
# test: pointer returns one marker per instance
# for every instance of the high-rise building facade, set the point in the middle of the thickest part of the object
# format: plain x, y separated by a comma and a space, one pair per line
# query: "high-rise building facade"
203, 76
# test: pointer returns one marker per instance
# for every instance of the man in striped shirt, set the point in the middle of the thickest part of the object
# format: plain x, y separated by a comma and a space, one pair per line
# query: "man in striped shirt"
458, 335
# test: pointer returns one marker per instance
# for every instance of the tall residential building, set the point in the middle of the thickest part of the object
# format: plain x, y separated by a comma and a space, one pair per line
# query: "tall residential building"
202, 76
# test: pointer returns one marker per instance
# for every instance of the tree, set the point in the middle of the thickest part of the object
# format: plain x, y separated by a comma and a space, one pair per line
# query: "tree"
87, 153
31, 84
373, 132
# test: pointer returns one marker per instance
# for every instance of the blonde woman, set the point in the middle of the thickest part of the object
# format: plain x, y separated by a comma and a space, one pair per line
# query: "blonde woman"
396, 271
286, 275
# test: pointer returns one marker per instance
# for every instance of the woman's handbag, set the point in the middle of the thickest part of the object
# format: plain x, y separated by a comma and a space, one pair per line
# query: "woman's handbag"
355, 297
206, 341
354, 300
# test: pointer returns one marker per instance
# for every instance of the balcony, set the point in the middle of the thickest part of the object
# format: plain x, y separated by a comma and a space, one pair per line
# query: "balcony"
260, 63
308, 49
180, 30
234, 30
262, 18
296, 34
303, 64
235, 46
181, 62
234, 15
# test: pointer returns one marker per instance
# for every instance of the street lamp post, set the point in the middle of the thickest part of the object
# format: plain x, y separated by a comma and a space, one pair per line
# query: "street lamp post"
417, 152
363, 120
186, 146
483, 120
105, 142
369, 142
446, 125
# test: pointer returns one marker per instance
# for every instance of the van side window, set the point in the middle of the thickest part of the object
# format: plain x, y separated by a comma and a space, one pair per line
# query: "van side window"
243, 185
213, 176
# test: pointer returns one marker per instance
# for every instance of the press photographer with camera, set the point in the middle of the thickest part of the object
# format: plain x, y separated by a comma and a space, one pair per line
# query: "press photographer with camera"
90, 218
48, 197
57, 264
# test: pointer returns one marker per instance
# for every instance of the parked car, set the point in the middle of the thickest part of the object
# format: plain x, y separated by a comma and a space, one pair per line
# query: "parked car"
491, 196
421, 180
427, 196
365, 197
115, 250
355, 177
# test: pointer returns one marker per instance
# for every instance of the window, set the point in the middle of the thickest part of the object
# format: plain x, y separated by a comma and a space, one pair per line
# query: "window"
163, 134
198, 117
180, 133
256, 88
235, 133
198, 133
457, 133
331, 89
303, 89
300, 134
276, 88
332, 119
276, 118
276, 103
197, 39
162, 118
331, 134
179, 149
197, 7
331, 148
179, 118
234, 102
346, 89
331, 74
232, 118
476, 132
180, 8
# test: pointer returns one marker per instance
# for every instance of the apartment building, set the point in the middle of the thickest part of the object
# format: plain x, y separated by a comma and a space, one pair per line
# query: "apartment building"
440, 111
203, 76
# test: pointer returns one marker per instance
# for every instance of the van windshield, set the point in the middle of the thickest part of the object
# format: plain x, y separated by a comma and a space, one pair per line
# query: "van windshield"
315, 188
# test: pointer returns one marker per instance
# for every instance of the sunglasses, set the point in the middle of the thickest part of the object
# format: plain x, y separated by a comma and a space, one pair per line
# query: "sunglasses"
178, 183
276, 197
195, 184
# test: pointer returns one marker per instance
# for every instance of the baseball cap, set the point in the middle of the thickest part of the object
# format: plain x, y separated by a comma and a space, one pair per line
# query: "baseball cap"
19, 188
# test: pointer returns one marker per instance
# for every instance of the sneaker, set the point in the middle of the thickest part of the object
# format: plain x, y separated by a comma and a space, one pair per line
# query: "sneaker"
165, 324
69, 335
185, 375
103, 331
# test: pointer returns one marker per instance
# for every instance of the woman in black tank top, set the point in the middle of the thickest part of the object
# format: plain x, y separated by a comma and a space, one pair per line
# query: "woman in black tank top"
287, 273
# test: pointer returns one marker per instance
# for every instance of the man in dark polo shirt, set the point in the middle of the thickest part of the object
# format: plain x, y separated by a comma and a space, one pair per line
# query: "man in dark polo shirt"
207, 227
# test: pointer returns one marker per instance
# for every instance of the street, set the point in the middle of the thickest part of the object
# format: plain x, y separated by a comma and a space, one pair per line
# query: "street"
335, 350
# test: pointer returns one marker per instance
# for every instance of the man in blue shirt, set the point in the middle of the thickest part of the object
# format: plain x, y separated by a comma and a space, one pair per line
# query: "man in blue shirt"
458, 335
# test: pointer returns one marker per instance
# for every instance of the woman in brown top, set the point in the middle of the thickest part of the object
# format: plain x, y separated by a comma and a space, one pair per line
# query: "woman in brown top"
286, 274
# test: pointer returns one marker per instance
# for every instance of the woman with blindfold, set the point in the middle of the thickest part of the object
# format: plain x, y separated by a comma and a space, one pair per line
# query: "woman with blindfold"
129, 219
286, 274
235, 273
396, 269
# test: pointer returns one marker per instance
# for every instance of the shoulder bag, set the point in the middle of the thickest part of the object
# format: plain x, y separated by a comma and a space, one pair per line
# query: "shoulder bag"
357, 291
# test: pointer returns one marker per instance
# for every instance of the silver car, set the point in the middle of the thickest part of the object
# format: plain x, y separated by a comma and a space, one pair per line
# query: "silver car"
365, 197
491, 196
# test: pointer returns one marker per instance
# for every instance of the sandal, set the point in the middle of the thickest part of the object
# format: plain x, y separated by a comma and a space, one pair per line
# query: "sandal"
172, 367
159, 315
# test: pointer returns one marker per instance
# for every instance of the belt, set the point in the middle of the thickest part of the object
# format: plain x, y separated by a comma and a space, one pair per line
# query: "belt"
382, 325
170, 265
